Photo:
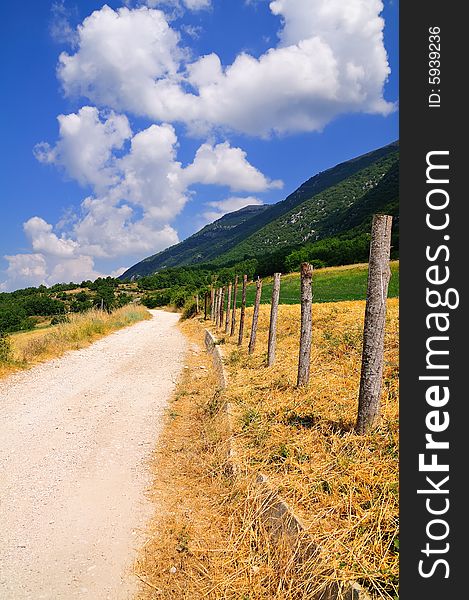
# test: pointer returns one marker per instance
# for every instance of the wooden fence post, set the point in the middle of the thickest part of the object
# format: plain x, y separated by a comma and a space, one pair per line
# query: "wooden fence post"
212, 303
233, 316
379, 274
243, 311
222, 306
306, 324
217, 306
255, 316
228, 308
197, 304
205, 305
273, 320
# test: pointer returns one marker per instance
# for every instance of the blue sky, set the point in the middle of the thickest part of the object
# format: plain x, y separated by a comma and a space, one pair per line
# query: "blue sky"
172, 113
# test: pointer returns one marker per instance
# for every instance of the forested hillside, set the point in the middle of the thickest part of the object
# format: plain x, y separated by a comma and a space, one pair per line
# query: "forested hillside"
329, 203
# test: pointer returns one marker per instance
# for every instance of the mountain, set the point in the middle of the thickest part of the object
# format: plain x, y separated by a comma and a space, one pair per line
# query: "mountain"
347, 205
332, 202
204, 245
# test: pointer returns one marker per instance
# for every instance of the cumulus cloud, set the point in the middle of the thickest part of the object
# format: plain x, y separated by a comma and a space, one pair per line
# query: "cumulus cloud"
109, 231
35, 269
25, 270
222, 207
43, 239
136, 194
86, 144
121, 56
330, 60
151, 175
224, 165
53, 259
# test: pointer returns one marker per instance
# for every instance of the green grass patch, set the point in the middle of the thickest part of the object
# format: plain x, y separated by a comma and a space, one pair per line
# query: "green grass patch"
332, 284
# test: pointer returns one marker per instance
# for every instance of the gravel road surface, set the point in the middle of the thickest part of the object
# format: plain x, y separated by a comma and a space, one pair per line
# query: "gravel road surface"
75, 436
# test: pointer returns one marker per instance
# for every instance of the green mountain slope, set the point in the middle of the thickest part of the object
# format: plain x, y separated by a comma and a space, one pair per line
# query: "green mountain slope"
204, 245
331, 202
346, 205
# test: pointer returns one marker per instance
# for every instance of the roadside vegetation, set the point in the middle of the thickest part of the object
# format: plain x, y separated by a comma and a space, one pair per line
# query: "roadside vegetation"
210, 542
331, 284
344, 486
30, 308
76, 330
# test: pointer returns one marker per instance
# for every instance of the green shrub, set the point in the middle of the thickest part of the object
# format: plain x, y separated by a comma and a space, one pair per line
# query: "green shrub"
59, 319
190, 309
155, 300
179, 297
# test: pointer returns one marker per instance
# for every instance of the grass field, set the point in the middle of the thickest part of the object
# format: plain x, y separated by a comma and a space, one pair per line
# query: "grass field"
208, 543
30, 347
345, 486
332, 284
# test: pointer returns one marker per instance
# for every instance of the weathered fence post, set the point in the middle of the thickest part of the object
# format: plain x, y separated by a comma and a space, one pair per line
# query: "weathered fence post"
273, 320
255, 316
212, 303
222, 306
205, 305
243, 311
233, 316
197, 304
217, 307
306, 324
228, 308
379, 274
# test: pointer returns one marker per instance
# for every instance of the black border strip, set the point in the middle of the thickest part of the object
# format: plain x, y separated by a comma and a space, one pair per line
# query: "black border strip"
425, 128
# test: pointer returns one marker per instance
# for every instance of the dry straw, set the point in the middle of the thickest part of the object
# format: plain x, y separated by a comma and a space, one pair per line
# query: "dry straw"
344, 486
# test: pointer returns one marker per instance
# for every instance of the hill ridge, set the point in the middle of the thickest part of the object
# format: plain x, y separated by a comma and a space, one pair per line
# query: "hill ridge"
228, 238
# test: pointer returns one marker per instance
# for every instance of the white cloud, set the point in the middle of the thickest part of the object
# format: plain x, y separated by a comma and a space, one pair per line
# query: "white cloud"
26, 270
197, 4
86, 144
118, 272
224, 165
121, 55
193, 31
330, 60
136, 195
54, 259
109, 231
222, 207
75, 269
60, 27
44, 240
151, 175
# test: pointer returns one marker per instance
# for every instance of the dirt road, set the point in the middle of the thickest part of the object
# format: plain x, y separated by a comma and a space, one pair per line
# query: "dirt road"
75, 434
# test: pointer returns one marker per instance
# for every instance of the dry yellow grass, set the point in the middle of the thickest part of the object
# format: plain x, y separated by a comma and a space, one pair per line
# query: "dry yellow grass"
344, 486
205, 541
29, 348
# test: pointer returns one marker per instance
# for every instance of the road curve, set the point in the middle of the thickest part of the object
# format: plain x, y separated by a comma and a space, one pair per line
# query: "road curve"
76, 433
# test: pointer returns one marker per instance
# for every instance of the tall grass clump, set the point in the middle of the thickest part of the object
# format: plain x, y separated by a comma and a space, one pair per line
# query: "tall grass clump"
5, 348
78, 331
189, 309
